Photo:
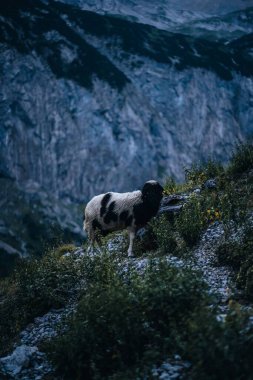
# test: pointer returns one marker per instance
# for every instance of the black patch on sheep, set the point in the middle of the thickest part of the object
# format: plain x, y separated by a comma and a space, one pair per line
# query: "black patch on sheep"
96, 224
123, 215
142, 214
104, 203
110, 216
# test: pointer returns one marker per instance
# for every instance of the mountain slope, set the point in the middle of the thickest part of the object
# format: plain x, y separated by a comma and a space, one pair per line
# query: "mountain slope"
93, 102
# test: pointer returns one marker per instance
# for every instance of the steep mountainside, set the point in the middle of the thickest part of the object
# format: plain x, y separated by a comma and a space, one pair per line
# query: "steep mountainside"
92, 102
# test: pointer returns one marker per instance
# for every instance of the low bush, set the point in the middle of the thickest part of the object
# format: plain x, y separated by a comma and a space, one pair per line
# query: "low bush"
170, 186
35, 286
165, 235
242, 160
198, 174
190, 222
239, 255
128, 322
125, 321
221, 350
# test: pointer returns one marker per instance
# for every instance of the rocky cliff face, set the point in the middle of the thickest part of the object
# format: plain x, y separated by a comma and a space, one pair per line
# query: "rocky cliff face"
92, 102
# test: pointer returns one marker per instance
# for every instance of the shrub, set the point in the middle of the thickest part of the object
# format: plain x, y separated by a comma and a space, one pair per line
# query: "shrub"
239, 255
199, 173
242, 160
145, 241
165, 235
233, 204
35, 286
230, 253
190, 221
221, 351
170, 186
125, 320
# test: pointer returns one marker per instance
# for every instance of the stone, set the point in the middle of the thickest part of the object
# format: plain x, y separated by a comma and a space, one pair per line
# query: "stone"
172, 200
170, 209
210, 184
19, 359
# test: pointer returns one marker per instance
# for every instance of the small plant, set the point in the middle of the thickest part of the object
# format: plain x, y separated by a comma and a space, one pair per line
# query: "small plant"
242, 160
239, 254
199, 173
35, 286
221, 350
165, 236
212, 215
170, 186
190, 222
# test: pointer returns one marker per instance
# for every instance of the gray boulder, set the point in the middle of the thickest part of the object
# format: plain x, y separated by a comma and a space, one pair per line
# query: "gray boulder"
21, 357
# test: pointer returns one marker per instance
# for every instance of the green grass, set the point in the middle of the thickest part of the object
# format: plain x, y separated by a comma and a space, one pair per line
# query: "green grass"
230, 201
127, 320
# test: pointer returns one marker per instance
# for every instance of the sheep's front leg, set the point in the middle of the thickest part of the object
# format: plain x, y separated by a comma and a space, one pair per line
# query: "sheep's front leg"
131, 241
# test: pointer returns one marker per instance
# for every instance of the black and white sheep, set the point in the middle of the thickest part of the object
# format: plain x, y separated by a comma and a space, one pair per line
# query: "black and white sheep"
116, 211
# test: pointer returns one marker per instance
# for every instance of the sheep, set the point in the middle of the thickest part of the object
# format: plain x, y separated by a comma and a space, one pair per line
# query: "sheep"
111, 211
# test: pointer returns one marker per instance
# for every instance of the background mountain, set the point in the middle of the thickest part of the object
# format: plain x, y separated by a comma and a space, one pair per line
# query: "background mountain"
98, 97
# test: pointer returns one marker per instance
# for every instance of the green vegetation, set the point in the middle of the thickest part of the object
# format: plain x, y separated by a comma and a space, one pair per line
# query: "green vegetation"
124, 321
239, 255
199, 173
229, 201
242, 160
127, 322
131, 318
36, 286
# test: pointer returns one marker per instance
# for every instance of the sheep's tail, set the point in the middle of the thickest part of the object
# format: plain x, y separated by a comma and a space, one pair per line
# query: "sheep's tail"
85, 225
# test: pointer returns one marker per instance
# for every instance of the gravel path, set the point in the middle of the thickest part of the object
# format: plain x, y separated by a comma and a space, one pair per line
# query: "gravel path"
217, 277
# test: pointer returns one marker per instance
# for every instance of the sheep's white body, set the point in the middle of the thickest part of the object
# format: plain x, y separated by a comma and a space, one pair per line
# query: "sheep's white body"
123, 202
116, 211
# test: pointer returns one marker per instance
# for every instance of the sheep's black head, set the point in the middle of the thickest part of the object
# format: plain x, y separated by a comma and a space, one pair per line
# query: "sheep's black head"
152, 192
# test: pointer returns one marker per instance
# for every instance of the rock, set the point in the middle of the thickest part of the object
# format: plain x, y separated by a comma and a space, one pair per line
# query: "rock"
210, 184
172, 369
172, 200
18, 360
172, 205
170, 209
141, 232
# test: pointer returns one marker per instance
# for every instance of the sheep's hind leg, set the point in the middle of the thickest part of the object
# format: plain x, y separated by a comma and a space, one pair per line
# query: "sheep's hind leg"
92, 241
131, 241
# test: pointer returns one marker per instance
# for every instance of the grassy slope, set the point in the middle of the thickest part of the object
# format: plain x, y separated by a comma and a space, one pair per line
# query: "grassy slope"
128, 320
